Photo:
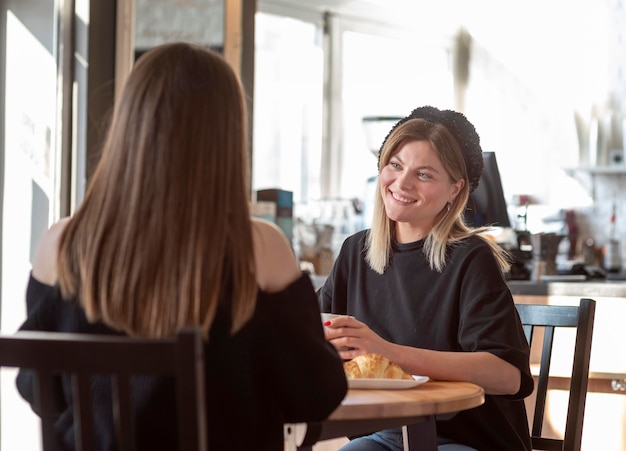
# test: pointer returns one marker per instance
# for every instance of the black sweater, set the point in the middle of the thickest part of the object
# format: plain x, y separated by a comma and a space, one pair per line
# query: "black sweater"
278, 368
467, 307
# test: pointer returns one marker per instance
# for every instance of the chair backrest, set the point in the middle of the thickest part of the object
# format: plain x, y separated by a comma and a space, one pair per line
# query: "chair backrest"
548, 318
49, 354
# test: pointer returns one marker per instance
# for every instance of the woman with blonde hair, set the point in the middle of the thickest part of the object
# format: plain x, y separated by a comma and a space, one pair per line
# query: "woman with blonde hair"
426, 291
163, 240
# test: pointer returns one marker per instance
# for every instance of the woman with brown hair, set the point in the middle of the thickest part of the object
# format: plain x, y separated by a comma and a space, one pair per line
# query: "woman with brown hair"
164, 239
427, 292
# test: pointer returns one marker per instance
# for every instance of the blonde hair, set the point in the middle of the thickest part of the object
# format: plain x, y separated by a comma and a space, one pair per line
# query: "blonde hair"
164, 233
449, 226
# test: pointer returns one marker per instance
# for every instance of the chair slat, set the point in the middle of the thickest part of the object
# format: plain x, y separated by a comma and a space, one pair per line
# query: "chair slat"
542, 384
191, 395
580, 375
44, 403
83, 411
123, 419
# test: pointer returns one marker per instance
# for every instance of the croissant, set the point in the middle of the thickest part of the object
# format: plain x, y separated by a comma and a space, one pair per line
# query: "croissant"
373, 366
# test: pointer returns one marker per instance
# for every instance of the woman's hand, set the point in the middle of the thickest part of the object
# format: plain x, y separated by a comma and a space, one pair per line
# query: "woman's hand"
351, 337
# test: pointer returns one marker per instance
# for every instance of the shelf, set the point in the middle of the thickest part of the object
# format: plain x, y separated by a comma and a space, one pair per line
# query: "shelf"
587, 175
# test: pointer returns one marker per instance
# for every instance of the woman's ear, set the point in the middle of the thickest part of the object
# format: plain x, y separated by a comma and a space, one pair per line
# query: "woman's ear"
456, 189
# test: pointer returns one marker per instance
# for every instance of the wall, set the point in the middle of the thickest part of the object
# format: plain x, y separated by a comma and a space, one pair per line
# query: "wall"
573, 170
607, 187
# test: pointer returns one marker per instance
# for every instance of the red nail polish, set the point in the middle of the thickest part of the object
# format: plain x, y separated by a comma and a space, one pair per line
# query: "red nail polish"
327, 323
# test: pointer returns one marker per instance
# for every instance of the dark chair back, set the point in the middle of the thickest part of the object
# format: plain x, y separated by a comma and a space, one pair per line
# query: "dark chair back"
549, 318
79, 355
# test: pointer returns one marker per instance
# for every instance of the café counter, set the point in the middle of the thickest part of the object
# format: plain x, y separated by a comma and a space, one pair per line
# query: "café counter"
605, 410
591, 289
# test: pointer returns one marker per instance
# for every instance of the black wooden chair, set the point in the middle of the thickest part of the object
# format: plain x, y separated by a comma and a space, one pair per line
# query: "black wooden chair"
49, 354
548, 318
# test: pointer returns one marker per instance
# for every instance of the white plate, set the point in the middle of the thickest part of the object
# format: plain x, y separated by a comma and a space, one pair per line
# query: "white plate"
386, 384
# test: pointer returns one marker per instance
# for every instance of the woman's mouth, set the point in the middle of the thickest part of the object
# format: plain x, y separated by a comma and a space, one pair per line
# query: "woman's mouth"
401, 198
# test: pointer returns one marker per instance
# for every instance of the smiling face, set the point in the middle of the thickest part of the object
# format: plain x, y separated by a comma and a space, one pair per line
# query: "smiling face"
415, 188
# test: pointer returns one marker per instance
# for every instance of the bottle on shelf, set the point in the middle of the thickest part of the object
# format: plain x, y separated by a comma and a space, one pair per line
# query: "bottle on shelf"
612, 251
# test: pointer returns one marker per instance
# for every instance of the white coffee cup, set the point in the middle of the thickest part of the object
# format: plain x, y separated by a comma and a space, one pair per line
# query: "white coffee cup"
329, 316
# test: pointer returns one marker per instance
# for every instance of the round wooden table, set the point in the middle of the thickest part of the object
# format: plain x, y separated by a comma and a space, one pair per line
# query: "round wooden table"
366, 411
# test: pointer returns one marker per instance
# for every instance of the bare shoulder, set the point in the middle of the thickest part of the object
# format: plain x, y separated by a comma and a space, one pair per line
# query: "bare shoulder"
276, 265
45, 261
268, 233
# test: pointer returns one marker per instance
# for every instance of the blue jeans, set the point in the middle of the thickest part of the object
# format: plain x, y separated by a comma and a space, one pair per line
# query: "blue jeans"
391, 440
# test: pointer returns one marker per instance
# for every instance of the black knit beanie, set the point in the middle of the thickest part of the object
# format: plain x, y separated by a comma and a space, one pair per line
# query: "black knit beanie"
462, 130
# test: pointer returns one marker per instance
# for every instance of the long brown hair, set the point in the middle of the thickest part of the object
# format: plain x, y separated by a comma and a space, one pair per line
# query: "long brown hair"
449, 226
164, 231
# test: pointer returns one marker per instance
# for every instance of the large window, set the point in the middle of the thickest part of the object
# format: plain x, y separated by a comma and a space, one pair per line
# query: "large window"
309, 106
288, 106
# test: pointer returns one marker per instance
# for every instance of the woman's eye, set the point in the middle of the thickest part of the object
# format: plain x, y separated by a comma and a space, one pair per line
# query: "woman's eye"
423, 175
394, 165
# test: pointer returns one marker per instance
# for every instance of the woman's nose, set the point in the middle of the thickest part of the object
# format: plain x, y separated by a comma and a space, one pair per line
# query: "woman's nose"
404, 180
